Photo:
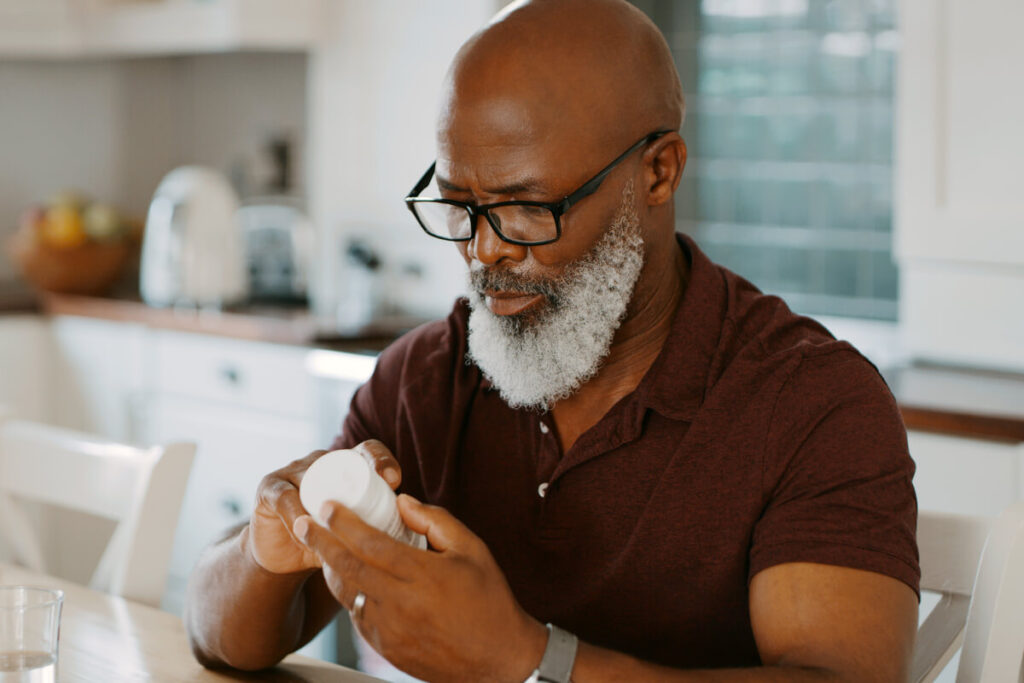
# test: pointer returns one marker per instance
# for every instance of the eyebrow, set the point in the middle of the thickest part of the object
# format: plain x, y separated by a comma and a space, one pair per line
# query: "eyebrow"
524, 186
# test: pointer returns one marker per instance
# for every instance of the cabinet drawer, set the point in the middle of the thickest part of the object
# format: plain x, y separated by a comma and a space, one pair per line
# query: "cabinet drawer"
253, 375
234, 452
966, 476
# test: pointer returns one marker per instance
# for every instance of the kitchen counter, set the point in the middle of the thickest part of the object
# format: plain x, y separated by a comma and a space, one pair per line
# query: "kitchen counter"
277, 325
17, 298
961, 402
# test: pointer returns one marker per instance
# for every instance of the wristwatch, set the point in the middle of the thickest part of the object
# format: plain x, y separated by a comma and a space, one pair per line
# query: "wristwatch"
559, 657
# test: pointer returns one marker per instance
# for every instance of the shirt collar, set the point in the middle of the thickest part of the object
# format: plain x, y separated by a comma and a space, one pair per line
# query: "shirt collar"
676, 382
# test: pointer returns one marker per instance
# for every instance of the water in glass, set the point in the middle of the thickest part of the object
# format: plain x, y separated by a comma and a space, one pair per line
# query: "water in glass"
27, 667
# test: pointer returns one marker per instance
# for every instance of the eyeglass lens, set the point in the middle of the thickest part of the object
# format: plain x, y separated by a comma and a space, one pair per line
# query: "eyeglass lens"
524, 223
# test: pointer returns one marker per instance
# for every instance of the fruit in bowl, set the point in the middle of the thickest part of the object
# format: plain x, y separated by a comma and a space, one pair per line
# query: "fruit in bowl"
73, 246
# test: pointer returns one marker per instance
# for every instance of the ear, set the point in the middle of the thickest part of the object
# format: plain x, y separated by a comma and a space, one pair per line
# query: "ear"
664, 161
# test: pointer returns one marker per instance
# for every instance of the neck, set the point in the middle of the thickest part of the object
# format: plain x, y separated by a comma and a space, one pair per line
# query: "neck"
636, 345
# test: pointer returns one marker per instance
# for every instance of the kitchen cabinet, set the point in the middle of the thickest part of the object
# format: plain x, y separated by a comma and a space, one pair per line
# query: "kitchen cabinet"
25, 371
236, 447
100, 376
960, 209
115, 28
249, 408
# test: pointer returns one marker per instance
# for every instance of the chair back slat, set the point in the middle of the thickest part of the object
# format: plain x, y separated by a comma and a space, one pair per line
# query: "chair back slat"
939, 637
994, 638
76, 471
141, 489
950, 547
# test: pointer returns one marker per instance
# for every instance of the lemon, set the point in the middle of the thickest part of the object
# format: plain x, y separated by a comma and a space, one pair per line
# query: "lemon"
63, 228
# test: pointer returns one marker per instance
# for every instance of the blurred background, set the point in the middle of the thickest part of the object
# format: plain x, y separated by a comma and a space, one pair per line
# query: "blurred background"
202, 219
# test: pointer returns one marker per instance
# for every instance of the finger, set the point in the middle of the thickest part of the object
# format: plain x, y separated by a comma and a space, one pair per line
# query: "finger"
378, 455
442, 530
369, 544
339, 576
281, 497
350, 573
303, 464
291, 473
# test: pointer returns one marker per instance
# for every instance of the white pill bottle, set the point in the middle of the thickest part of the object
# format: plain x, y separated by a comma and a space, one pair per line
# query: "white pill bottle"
345, 476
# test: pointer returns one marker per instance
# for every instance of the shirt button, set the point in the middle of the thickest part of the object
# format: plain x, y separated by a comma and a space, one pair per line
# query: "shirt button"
542, 490
544, 428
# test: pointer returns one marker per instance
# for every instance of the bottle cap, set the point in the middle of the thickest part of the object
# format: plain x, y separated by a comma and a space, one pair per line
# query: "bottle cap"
346, 477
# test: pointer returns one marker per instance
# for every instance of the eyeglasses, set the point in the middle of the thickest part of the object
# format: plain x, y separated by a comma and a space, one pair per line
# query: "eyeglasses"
519, 222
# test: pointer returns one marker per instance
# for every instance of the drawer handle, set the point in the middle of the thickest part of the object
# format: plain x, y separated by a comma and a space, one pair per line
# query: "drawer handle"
231, 375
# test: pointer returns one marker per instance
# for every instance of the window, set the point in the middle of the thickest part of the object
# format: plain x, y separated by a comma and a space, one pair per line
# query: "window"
790, 130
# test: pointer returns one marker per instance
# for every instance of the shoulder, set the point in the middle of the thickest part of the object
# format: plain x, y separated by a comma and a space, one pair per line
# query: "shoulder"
796, 353
432, 353
423, 368
795, 378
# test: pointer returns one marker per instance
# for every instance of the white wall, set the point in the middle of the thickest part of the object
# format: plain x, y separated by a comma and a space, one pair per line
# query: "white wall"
113, 128
214, 110
58, 128
373, 97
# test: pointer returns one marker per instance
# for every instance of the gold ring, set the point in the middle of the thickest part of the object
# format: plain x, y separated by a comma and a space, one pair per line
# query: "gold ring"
357, 606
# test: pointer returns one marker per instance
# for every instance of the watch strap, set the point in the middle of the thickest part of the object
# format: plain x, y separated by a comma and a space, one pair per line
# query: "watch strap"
559, 657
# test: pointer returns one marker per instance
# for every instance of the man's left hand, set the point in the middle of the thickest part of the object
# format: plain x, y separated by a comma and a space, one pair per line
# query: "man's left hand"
445, 614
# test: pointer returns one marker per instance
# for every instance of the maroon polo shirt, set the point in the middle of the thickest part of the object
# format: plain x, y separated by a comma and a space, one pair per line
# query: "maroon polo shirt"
754, 439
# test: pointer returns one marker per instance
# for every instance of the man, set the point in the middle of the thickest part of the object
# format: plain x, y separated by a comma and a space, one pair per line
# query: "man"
617, 436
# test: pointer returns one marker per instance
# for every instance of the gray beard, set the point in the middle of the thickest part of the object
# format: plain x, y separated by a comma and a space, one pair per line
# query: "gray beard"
536, 359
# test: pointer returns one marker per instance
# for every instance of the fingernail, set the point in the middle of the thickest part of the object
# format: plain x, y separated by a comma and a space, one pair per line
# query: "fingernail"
390, 475
301, 528
325, 511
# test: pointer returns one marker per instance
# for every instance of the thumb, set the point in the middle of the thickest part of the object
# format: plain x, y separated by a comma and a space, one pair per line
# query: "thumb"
439, 526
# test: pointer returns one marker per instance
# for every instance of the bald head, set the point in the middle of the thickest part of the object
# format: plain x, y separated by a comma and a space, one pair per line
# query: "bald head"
596, 72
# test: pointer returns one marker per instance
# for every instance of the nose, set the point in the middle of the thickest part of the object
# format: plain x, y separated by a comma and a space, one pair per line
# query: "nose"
489, 249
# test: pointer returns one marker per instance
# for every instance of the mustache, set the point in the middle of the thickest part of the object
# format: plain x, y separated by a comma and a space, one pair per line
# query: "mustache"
483, 279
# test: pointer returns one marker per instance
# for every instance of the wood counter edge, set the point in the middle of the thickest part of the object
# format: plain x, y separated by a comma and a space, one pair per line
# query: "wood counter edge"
1008, 429
297, 329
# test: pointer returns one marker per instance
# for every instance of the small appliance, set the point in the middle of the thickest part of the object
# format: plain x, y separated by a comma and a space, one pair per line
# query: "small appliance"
193, 253
279, 249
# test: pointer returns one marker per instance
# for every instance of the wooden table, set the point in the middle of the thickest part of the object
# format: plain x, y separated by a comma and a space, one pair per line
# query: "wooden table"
104, 638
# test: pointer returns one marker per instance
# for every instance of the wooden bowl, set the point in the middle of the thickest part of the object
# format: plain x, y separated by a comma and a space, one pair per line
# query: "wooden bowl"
89, 269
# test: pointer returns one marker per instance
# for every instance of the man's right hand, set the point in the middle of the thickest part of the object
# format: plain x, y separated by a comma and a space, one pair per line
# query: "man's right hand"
270, 541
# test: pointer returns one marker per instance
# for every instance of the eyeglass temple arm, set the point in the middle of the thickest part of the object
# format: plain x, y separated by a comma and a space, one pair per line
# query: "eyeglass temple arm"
590, 187
423, 182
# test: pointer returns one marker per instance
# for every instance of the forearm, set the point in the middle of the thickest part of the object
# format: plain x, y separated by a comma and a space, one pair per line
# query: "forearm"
241, 615
597, 665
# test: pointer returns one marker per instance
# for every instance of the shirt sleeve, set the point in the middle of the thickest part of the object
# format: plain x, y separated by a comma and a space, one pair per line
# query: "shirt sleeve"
837, 476
368, 414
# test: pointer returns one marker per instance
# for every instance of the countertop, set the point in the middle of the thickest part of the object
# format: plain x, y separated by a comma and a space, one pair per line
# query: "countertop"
963, 402
278, 325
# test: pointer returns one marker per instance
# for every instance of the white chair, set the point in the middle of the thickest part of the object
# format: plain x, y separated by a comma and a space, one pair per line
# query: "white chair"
976, 564
141, 489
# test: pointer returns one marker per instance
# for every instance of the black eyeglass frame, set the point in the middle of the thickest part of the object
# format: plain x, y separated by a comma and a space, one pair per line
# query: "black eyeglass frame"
557, 209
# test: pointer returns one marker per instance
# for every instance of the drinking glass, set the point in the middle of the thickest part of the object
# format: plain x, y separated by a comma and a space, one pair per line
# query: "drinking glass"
29, 631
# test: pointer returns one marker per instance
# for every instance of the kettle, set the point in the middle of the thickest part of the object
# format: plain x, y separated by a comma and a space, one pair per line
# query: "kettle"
193, 253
